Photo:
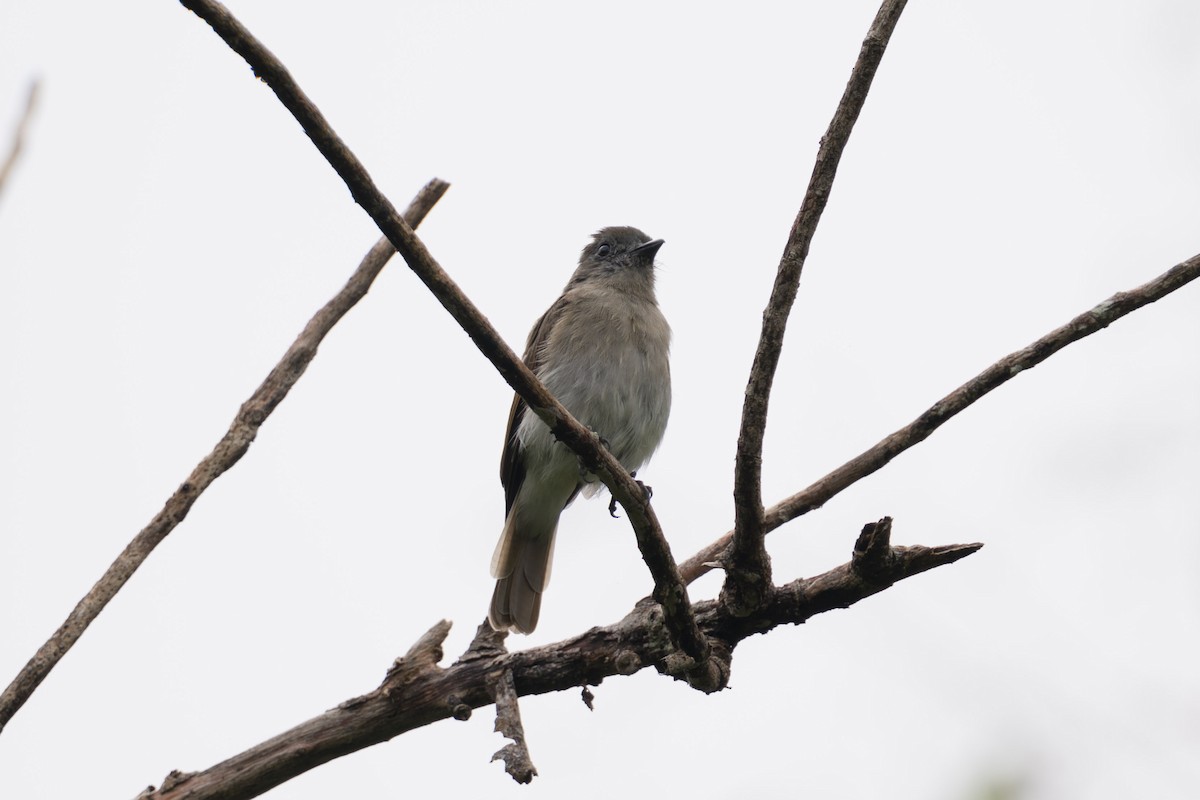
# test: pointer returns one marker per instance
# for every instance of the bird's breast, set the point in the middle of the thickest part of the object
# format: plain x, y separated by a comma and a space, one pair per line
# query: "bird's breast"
608, 363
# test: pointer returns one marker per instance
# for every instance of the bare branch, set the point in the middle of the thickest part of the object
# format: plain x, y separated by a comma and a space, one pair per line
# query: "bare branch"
19, 133
669, 589
859, 467
429, 693
748, 568
517, 762
232, 446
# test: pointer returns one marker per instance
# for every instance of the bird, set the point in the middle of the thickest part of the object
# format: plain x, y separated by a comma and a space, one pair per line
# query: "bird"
602, 349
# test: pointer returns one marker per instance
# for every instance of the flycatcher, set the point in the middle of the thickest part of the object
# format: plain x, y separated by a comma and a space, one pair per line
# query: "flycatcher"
601, 349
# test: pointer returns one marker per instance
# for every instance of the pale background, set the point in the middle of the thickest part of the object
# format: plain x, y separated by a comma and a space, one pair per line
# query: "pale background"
170, 229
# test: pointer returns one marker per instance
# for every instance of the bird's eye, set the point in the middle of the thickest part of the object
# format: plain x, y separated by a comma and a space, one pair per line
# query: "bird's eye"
603, 250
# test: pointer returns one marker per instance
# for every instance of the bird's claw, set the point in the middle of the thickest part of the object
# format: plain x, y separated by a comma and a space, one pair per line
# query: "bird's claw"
647, 490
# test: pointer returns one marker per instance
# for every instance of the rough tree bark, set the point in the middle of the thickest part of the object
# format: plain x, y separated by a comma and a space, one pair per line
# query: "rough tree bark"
417, 691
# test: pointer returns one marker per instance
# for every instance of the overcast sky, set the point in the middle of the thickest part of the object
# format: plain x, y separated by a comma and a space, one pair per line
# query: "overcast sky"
170, 229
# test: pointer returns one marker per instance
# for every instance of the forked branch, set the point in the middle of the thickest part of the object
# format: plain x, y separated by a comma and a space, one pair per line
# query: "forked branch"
418, 692
747, 566
999, 373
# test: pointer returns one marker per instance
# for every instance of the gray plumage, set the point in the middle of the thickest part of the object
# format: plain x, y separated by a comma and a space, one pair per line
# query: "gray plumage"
602, 350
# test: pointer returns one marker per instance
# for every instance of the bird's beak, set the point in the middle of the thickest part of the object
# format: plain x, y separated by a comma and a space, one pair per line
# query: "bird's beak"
648, 249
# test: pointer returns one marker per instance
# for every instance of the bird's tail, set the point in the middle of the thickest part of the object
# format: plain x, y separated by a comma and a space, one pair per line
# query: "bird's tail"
521, 567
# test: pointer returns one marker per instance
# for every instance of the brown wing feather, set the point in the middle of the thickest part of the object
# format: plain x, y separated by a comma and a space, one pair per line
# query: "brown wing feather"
512, 465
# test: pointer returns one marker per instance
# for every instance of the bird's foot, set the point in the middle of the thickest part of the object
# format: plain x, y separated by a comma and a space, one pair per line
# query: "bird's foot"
646, 489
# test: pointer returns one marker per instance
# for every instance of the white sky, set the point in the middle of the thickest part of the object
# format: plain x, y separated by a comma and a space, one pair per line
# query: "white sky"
170, 229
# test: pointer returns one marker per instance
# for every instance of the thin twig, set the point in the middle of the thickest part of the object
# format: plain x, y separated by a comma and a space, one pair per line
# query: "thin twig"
432, 694
228, 451
918, 430
669, 588
748, 568
19, 133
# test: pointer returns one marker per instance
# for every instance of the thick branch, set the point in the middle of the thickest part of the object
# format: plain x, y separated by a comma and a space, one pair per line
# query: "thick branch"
232, 446
431, 693
19, 133
748, 568
669, 588
936, 415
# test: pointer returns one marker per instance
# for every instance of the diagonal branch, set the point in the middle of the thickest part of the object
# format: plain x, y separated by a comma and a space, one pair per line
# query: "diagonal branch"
935, 416
669, 589
232, 446
19, 133
424, 693
748, 568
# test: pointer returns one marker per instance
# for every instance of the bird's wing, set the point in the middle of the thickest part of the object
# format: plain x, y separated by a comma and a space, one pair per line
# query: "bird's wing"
512, 464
